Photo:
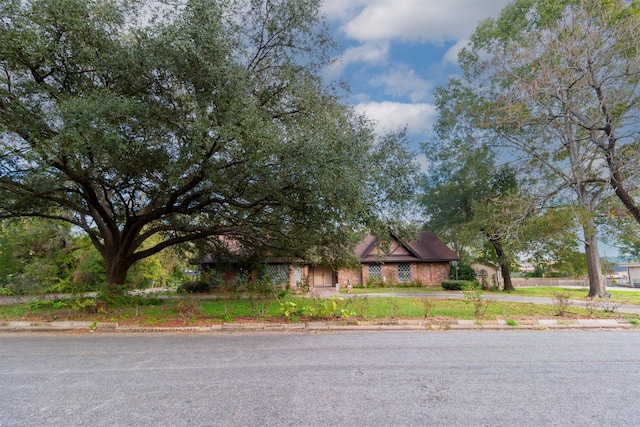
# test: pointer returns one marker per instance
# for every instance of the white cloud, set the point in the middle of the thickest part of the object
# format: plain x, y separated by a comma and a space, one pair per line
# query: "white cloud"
451, 57
390, 116
370, 53
402, 81
411, 20
377, 25
341, 9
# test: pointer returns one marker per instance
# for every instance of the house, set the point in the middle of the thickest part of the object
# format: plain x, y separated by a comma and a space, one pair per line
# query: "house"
632, 273
488, 275
424, 261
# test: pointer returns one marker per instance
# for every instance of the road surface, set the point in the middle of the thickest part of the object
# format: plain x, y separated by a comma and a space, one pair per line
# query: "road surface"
444, 378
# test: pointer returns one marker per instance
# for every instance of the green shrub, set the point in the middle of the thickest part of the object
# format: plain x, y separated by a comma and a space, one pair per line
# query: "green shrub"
375, 283
465, 272
416, 283
457, 285
321, 308
473, 296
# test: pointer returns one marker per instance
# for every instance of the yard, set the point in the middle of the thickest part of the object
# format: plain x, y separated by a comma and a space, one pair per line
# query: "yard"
433, 304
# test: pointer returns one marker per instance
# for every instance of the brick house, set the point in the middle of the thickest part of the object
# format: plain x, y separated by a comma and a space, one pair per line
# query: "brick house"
424, 261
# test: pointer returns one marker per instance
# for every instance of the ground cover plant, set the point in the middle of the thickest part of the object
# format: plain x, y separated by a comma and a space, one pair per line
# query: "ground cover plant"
212, 309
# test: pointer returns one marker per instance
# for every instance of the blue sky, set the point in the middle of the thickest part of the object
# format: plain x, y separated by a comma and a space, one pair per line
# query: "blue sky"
395, 52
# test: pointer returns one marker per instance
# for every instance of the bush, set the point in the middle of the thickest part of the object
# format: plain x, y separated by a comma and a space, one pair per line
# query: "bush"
561, 302
457, 285
474, 296
465, 272
194, 286
375, 283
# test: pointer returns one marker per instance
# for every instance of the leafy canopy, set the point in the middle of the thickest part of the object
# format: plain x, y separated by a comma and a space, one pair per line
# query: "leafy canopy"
135, 119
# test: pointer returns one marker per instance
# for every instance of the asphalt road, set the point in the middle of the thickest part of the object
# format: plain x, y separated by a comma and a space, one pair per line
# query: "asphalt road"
446, 378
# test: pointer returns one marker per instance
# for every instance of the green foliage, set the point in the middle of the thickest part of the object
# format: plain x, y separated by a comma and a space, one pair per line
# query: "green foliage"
77, 305
317, 308
149, 311
474, 296
465, 272
40, 256
373, 282
89, 266
549, 83
148, 129
289, 309
147, 273
467, 198
561, 303
567, 263
261, 294
35, 255
457, 285
360, 306
380, 283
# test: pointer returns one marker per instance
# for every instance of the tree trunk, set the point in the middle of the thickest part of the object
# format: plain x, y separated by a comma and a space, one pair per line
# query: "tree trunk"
503, 262
596, 280
590, 231
116, 268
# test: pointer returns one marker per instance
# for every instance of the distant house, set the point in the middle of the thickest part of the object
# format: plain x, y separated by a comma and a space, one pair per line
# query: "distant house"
633, 273
424, 261
489, 276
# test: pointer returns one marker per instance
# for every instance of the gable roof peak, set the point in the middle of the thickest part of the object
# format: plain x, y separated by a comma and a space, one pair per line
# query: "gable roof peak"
426, 248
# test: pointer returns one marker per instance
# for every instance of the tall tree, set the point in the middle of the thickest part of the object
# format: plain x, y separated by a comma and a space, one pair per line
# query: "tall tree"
583, 68
204, 119
556, 82
471, 200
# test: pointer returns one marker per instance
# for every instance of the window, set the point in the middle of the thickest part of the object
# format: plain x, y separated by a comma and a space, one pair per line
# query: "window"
297, 276
404, 272
278, 274
375, 271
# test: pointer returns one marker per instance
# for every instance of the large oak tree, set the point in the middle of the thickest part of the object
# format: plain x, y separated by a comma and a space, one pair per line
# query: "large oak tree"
197, 119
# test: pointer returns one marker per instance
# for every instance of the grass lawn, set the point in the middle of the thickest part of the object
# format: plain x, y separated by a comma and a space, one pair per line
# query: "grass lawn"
620, 296
189, 310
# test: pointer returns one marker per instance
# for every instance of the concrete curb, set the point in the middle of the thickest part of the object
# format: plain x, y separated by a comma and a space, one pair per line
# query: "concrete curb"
400, 325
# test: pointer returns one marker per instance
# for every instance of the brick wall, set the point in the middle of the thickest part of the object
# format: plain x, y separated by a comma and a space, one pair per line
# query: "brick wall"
430, 274
427, 274
355, 275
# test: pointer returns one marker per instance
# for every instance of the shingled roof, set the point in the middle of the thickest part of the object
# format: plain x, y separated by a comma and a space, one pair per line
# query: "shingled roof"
426, 248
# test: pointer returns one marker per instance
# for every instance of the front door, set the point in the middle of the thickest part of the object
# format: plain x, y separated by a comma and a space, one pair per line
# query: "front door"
322, 276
